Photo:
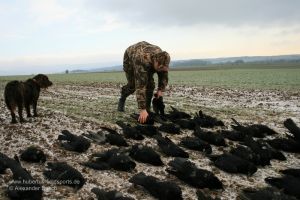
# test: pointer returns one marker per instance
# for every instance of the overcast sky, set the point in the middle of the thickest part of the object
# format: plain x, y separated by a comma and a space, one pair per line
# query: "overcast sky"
46, 36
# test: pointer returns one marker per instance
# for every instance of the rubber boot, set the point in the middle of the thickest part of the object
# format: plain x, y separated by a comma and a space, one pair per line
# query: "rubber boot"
121, 104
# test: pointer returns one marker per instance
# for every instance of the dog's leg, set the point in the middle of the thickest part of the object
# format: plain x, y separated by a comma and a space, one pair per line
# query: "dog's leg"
27, 106
13, 115
34, 109
20, 111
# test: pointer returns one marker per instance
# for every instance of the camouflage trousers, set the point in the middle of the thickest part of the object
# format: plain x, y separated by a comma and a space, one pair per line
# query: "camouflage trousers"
132, 82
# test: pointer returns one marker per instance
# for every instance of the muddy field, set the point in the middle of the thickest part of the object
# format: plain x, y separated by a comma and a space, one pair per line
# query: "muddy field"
81, 108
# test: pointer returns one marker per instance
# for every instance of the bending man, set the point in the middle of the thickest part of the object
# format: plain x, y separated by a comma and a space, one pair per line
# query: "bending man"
140, 62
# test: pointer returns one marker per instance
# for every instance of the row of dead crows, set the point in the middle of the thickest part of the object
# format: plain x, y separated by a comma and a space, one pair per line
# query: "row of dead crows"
254, 150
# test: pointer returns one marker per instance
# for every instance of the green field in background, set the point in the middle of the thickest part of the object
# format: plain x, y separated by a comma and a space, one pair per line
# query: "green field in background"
248, 78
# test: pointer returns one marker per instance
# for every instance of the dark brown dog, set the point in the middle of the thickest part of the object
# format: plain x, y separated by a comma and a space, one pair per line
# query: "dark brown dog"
19, 94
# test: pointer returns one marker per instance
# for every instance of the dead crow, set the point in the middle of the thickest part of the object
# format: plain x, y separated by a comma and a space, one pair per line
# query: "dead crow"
130, 132
293, 128
263, 151
176, 114
206, 121
275, 154
33, 154
97, 165
285, 144
245, 153
22, 179
74, 142
196, 144
116, 139
162, 190
145, 154
112, 159
293, 172
169, 128
64, 174
190, 174
148, 130
210, 137
112, 137
233, 164
268, 193
97, 138
264, 155
3, 165
110, 195
202, 196
185, 123
170, 148
233, 135
254, 130
256, 156
288, 184
158, 105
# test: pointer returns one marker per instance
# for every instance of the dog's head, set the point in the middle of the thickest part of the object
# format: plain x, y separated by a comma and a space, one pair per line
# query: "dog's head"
42, 80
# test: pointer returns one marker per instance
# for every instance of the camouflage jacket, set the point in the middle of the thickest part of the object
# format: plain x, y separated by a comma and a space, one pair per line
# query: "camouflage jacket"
138, 58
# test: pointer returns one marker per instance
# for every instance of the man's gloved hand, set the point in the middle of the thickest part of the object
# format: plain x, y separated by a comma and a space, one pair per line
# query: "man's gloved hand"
143, 116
